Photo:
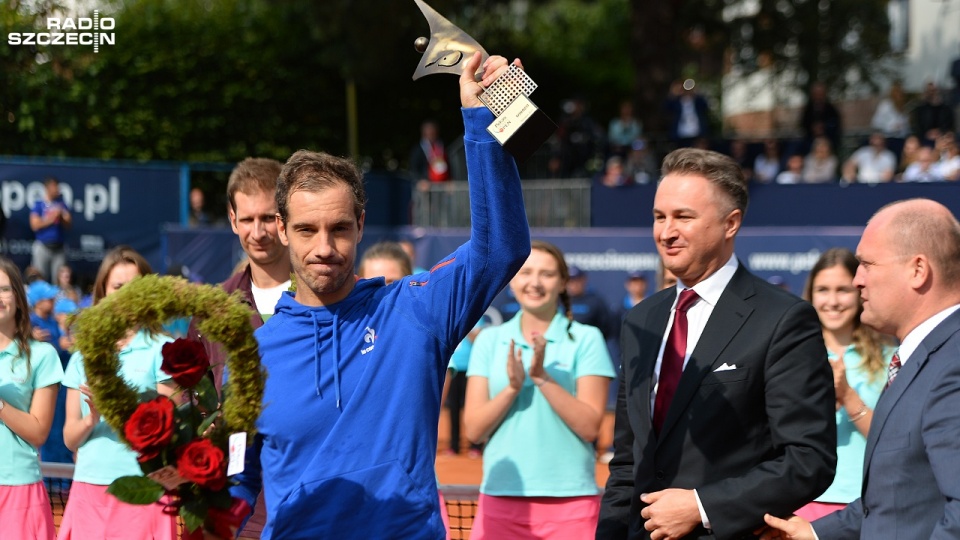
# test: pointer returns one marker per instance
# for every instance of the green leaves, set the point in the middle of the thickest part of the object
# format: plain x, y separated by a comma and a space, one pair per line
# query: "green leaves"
136, 490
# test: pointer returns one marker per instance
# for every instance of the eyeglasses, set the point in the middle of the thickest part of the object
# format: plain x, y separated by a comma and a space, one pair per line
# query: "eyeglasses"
6, 290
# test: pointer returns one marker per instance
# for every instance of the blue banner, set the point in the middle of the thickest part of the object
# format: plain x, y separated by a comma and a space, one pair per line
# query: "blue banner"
607, 255
111, 204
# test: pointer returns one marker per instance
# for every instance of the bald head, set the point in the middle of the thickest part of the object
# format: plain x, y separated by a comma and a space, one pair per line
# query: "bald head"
924, 226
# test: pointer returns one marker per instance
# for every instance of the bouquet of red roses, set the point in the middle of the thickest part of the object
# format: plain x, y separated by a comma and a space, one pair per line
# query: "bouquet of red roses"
179, 448
187, 444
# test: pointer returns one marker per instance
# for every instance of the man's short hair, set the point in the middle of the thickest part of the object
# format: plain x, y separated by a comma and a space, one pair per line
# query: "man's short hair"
721, 170
316, 171
253, 175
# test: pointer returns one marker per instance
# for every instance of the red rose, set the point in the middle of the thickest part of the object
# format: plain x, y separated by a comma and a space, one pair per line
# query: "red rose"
150, 427
186, 361
203, 463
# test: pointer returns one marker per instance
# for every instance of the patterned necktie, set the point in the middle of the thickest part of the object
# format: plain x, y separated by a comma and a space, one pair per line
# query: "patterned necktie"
893, 369
673, 354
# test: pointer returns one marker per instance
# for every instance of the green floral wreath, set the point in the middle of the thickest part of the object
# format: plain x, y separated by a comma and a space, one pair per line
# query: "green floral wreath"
148, 302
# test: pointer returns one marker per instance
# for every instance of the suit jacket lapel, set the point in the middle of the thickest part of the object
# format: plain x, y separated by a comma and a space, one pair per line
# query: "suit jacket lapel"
726, 320
890, 396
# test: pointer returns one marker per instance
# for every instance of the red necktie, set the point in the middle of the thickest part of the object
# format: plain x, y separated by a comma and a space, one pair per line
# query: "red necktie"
893, 369
673, 354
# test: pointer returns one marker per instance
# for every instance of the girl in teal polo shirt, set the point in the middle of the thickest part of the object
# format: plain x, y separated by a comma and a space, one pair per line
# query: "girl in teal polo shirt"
859, 357
536, 392
101, 458
30, 374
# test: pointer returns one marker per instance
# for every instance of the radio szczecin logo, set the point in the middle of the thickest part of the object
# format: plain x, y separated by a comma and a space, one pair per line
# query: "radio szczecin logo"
70, 31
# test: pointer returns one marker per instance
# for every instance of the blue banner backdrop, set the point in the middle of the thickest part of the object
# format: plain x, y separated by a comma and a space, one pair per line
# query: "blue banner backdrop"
607, 255
111, 204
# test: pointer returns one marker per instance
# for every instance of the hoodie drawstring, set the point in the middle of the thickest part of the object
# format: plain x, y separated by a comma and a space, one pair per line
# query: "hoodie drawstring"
336, 357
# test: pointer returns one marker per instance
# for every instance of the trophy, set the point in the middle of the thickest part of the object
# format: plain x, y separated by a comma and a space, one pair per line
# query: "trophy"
520, 127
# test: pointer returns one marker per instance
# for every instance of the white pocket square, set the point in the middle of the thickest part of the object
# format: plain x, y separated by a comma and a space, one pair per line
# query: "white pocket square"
725, 367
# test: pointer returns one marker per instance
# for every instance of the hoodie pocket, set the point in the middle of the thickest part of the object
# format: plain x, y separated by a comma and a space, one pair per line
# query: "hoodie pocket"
376, 502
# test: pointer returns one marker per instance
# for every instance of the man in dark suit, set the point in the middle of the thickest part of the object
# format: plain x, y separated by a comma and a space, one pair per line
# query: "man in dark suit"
909, 279
736, 420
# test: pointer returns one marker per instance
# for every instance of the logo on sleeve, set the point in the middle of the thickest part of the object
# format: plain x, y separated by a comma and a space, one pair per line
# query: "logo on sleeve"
370, 337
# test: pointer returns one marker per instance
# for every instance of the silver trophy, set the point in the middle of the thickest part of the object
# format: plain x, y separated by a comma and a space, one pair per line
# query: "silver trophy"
520, 126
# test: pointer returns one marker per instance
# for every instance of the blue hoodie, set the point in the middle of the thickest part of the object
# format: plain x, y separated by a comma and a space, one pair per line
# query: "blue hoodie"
348, 435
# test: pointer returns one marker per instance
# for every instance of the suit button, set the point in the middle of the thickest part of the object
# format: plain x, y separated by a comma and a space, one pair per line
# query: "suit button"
866, 511
660, 475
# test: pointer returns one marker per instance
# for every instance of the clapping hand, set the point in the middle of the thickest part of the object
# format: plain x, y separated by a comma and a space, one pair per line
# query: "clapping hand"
515, 367
537, 373
840, 384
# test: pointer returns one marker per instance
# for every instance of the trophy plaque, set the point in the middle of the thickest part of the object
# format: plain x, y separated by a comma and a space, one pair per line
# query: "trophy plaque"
520, 126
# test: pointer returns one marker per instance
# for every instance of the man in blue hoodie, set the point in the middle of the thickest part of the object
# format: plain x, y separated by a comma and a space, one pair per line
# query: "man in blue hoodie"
346, 443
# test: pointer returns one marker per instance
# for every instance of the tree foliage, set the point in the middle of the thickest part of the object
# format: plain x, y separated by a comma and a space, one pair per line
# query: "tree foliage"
217, 80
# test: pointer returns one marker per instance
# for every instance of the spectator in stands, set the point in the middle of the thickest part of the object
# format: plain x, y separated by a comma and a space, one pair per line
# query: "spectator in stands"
924, 169
385, 259
820, 166
688, 114
613, 174
820, 118
580, 139
793, 174
641, 165
428, 158
198, 216
942, 144
536, 392
30, 374
871, 164
623, 130
948, 167
587, 305
891, 117
49, 219
100, 457
768, 164
911, 146
859, 357
932, 117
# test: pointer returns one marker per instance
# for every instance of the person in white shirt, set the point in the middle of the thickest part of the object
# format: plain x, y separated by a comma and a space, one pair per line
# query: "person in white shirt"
891, 116
871, 164
924, 169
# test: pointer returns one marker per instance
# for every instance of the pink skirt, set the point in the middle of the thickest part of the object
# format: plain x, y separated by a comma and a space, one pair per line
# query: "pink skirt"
91, 512
563, 518
816, 510
25, 512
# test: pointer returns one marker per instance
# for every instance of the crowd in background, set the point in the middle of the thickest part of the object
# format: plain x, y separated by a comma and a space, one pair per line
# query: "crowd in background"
909, 140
